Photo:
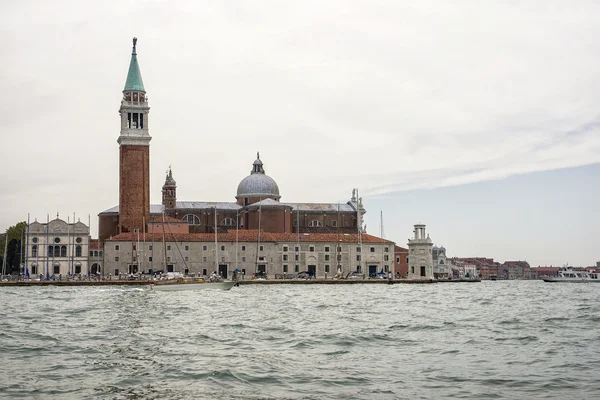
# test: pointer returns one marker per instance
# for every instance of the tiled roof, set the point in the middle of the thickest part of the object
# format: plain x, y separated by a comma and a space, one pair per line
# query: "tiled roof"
252, 236
400, 249
95, 244
207, 205
268, 203
154, 209
322, 207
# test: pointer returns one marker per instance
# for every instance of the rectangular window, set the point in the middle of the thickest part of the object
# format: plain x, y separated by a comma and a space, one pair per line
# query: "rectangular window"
386, 249
407, 260
204, 271
100, 253
168, 247
285, 257
34, 270
372, 249
358, 257
116, 272
91, 253
326, 268
222, 248
150, 248
326, 249
297, 257
397, 260
297, 248
326, 257
243, 259
204, 248
78, 269
187, 258
311, 248
243, 271
117, 258
412, 270
150, 258
117, 247
334, 223
260, 248
386, 258
187, 248
285, 268
96, 253
204, 260
339, 249
296, 268
339, 257
285, 248
358, 249
57, 269
243, 248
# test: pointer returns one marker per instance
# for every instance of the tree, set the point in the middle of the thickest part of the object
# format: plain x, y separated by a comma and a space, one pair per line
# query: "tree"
14, 235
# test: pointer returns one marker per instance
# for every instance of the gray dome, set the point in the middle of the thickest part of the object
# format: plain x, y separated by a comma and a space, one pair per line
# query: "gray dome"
258, 184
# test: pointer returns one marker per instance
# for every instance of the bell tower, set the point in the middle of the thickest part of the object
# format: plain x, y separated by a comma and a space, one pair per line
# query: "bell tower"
169, 191
134, 147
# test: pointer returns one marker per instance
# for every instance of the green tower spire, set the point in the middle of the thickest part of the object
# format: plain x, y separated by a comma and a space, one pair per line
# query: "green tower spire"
134, 76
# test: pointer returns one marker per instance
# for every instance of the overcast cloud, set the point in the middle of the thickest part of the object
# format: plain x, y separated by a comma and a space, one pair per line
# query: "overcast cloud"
381, 95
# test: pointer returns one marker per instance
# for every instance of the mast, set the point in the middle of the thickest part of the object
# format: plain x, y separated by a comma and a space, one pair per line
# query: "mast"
152, 252
4, 259
359, 226
164, 243
216, 245
237, 216
297, 235
144, 246
381, 235
69, 249
338, 269
258, 240
48, 245
27, 248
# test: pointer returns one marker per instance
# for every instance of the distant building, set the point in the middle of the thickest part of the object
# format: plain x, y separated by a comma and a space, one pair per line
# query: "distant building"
272, 254
515, 270
400, 262
540, 272
58, 248
441, 268
96, 257
420, 262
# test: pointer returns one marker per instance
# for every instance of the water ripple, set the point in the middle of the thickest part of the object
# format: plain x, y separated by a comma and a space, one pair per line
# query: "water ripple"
494, 340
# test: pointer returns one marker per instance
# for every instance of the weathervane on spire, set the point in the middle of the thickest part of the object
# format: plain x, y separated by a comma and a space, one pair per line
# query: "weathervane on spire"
134, 44
258, 155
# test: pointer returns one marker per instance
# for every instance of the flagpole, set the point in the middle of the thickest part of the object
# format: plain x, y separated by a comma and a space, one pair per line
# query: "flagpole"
27, 249
48, 245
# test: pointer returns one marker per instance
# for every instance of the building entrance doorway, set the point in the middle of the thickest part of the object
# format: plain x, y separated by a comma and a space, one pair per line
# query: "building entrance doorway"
422, 271
372, 271
312, 270
223, 270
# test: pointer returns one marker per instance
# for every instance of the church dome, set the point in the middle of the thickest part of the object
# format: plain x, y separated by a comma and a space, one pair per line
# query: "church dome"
258, 184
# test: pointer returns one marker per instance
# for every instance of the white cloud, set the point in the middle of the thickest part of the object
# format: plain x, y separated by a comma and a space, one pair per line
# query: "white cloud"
385, 96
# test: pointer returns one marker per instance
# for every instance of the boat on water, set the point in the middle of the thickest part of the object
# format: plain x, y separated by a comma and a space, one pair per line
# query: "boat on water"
569, 274
191, 284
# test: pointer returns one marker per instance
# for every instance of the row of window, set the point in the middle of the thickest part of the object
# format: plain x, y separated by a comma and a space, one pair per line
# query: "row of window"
192, 219
56, 251
55, 269
261, 248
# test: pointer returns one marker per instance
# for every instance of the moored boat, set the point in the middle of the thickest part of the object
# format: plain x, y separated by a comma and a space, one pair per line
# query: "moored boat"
191, 284
569, 274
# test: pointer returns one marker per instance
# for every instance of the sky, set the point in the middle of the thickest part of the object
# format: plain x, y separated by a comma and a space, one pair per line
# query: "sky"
439, 112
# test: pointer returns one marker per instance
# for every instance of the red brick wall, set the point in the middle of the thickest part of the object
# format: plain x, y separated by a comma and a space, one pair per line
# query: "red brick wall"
108, 226
400, 264
271, 220
134, 187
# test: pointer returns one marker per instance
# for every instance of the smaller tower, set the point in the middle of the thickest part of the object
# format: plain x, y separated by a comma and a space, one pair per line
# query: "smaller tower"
420, 259
169, 191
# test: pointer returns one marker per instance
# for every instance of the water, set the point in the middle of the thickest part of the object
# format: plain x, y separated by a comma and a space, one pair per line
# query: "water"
512, 340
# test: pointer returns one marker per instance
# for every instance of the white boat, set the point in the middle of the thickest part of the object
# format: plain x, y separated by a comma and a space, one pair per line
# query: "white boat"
568, 274
191, 284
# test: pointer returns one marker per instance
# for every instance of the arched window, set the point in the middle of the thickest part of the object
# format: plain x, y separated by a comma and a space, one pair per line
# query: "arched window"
50, 251
314, 223
56, 251
63, 251
77, 251
34, 250
441, 261
228, 222
191, 219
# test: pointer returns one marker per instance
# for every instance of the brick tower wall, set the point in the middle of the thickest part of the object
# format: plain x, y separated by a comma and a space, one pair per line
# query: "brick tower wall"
134, 187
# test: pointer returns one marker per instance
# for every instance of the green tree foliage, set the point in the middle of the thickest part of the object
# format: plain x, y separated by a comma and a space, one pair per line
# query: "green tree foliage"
14, 234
